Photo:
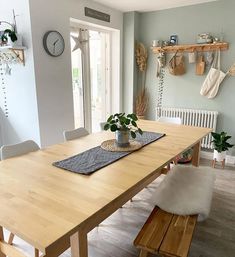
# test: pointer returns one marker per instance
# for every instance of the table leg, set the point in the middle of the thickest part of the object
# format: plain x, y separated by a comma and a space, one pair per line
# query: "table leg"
79, 246
143, 253
1, 239
11, 238
196, 154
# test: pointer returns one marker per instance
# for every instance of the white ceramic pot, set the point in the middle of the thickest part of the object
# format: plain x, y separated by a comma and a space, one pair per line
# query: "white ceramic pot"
219, 156
18, 42
122, 138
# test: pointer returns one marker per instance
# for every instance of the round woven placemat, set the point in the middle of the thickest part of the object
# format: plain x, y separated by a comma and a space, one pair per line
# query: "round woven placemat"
111, 146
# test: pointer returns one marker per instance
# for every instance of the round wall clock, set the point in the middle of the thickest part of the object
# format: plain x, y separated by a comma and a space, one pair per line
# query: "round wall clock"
53, 43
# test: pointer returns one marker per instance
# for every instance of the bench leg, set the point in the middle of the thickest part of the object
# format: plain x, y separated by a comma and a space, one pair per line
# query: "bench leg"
143, 253
213, 163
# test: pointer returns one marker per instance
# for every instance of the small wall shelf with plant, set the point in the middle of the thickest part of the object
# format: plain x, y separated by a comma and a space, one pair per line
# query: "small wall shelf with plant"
9, 54
11, 49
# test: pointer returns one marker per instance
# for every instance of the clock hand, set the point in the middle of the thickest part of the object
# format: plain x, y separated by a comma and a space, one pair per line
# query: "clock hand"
55, 42
54, 45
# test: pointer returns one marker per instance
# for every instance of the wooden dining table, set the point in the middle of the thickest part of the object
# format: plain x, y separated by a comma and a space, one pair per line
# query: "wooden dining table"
53, 209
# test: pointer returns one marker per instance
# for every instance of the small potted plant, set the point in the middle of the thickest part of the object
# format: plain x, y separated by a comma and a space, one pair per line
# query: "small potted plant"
124, 126
220, 145
9, 37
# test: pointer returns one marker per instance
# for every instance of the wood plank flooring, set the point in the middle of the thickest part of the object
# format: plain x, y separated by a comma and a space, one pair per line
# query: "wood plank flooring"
214, 237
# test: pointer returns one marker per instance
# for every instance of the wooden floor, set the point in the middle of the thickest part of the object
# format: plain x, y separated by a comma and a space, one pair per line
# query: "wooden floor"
213, 238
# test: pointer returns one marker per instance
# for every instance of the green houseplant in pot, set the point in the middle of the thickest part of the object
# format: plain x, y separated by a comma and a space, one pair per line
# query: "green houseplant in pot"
220, 145
9, 35
124, 126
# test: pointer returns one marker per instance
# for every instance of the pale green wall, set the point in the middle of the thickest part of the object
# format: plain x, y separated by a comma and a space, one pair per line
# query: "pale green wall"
130, 76
183, 91
128, 60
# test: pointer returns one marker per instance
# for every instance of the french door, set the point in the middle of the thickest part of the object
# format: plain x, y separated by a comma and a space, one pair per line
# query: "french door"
91, 77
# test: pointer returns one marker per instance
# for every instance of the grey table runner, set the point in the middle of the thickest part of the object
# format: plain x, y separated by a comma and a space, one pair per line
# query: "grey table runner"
96, 158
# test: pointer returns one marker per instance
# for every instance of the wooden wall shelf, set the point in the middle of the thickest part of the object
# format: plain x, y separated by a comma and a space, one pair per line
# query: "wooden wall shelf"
192, 48
18, 52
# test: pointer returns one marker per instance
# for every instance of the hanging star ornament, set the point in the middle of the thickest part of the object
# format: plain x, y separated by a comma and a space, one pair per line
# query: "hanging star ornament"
78, 43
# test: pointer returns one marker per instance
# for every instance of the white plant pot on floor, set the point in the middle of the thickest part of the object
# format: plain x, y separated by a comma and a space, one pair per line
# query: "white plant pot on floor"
219, 156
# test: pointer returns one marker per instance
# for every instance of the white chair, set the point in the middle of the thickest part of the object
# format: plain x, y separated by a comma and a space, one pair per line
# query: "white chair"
9, 151
174, 120
102, 125
74, 134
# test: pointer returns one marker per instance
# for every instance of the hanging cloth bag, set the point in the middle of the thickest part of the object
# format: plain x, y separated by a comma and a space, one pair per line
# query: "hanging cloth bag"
176, 65
200, 65
213, 79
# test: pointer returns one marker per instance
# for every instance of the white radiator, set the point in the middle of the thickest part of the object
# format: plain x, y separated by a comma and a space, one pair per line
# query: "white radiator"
197, 118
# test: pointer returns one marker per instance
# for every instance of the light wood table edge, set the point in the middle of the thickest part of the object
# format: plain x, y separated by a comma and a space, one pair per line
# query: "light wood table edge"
64, 243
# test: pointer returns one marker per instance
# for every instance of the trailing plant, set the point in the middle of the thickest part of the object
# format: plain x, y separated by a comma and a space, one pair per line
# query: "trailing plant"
11, 34
122, 122
161, 77
220, 141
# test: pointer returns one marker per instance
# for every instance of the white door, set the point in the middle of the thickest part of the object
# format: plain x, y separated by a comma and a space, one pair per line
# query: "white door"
91, 78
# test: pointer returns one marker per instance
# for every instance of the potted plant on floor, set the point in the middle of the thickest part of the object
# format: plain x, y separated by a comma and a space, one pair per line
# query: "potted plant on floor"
220, 145
124, 126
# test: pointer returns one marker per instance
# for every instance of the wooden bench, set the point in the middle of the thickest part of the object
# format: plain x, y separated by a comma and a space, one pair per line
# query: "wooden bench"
166, 234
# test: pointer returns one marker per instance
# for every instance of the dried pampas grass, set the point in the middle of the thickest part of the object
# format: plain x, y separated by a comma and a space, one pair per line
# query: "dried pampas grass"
231, 71
141, 56
141, 103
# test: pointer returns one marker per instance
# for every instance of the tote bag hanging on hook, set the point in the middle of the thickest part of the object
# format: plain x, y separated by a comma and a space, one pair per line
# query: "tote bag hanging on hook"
176, 65
213, 79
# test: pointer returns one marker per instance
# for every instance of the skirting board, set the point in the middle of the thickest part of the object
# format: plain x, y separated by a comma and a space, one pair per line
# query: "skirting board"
230, 160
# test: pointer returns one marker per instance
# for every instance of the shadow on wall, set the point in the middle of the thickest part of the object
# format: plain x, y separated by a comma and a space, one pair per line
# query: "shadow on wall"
5, 125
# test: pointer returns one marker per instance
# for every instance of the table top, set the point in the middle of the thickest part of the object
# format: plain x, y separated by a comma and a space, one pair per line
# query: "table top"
41, 203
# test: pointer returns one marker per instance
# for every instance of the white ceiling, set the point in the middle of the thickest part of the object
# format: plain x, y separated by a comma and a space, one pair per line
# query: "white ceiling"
148, 5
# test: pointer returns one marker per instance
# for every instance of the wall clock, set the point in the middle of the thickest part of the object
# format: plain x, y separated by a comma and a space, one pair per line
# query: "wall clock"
53, 43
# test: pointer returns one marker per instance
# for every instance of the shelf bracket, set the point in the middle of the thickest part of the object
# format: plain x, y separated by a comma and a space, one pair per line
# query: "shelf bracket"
19, 54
